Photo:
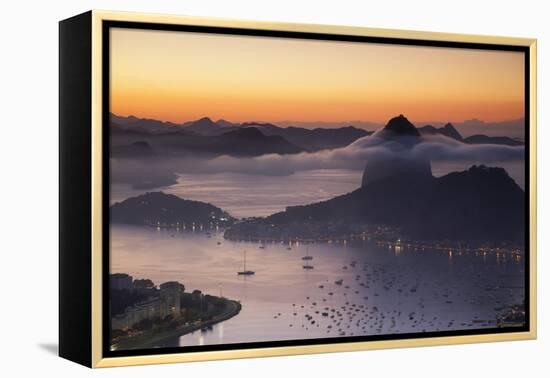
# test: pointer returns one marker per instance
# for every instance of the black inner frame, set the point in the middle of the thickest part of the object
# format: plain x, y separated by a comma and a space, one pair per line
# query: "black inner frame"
107, 25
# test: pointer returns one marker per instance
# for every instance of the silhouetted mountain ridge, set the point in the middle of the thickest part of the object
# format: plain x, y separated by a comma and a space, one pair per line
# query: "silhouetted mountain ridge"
448, 130
451, 132
484, 139
479, 205
129, 129
134, 124
206, 127
401, 126
315, 139
158, 208
236, 142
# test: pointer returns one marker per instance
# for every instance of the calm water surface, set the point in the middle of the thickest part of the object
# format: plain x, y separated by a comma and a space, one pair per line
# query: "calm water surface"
248, 195
384, 291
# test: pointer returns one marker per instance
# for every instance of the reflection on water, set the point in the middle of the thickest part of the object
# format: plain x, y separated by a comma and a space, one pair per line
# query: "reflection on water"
244, 195
381, 290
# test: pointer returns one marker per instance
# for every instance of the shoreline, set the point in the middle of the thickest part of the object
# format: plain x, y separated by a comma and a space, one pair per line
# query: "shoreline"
438, 246
151, 339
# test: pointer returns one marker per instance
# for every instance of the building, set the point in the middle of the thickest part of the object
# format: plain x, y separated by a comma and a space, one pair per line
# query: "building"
168, 303
153, 308
121, 281
144, 287
171, 292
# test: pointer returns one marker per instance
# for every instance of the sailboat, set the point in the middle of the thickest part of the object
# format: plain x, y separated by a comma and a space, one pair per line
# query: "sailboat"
307, 256
245, 272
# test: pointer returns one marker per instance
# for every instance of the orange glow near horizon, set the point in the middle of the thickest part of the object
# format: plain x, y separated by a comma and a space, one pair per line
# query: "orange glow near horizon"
180, 76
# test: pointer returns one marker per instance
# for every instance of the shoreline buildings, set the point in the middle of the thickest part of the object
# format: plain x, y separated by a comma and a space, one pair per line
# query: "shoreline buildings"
159, 304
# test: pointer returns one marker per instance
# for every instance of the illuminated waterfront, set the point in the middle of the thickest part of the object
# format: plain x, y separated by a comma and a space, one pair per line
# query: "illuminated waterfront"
384, 289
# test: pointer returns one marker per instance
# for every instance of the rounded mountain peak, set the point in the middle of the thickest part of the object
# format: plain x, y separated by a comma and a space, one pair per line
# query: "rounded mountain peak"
400, 125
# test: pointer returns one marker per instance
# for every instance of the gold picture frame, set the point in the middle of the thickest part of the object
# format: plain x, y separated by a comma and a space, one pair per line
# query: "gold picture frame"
84, 273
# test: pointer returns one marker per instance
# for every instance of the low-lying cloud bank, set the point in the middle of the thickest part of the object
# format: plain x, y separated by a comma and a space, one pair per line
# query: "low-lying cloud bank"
436, 148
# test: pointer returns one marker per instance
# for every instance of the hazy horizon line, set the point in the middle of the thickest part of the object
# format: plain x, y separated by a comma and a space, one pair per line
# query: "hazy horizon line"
350, 122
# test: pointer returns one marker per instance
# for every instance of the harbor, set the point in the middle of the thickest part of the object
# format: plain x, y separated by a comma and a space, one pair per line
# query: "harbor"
357, 288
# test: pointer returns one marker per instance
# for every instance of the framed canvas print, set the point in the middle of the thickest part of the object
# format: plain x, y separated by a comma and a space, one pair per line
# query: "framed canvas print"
235, 189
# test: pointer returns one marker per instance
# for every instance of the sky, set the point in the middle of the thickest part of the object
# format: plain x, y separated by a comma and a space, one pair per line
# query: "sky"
181, 76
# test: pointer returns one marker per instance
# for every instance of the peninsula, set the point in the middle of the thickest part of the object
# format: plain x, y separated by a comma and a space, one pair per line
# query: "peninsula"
144, 316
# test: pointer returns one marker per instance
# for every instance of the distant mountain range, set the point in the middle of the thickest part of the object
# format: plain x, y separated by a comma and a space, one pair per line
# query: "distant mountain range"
448, 130
484, 139
206, 127
513, 128
451, 132
313, 139
126, 143
479, 205
133, 137
222, 137
158, 208
144, 125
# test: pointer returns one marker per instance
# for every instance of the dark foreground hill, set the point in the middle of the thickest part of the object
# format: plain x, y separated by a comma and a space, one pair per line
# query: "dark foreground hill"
479, 205
158, 208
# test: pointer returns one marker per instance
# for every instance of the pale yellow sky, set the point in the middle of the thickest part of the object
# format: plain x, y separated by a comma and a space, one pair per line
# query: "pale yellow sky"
181, 76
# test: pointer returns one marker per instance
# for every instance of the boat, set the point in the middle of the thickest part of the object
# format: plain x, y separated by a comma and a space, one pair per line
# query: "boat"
307, 256
245, 272
339, 282
307, 266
